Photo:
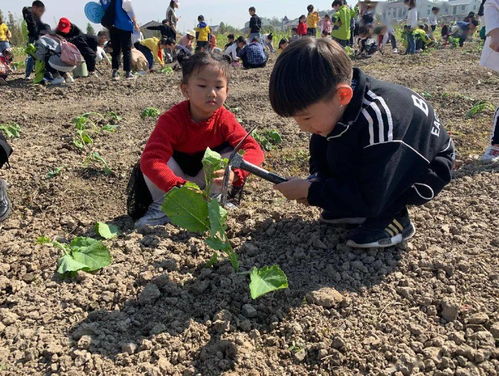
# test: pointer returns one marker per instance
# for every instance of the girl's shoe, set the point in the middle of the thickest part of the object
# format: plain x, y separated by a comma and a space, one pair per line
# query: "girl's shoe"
491, 154
382, 233
153, 217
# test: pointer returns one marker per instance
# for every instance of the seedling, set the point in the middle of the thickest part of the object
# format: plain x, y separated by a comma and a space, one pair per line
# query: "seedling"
85, 254
11, 130
55, 172
150, 112
197, 211
268, 139
82, 139
96, 159
107, 231
478, 108
167, 70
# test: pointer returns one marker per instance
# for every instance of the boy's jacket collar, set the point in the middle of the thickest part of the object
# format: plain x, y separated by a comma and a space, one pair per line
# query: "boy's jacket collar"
359, 83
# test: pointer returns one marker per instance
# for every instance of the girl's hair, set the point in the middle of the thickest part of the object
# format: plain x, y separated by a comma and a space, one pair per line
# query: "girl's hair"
326, 65
230, 36
327, 16
282, 41
411, 3
203, 59
302, 16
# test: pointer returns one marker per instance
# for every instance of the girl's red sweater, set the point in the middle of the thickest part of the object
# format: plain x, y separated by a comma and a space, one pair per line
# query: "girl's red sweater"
302, 28
176, 131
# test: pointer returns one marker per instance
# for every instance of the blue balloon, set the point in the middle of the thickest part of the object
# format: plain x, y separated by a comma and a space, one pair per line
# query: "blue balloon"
94, 12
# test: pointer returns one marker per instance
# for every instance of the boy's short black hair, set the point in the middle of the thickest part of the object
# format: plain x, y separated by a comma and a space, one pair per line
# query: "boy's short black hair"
325, 65
200, 18
241, 39
310, 8
435, 9
252, 9
203, 59
337, 3
103, 33
230, 36
38, 4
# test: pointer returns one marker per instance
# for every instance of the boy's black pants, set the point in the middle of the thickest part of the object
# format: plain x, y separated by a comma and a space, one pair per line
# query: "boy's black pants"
121, 41
87, 45
146, 52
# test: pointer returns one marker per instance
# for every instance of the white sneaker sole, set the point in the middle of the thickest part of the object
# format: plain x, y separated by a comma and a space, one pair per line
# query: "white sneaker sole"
394, 240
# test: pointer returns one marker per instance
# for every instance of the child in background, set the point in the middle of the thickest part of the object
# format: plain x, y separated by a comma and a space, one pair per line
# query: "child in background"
326, 26
341, 27
411, 24
313, 19
423, 40
301, 30
6, 58
376, 147
253, 55
167, 32
33, 17
433, 19
255, 25
203, 32
268, 42
152, 48
5, 35
213, 43
232, 51
367, 44
230, 41
283, 44
294, 35
445, 33
173, 154
102, 40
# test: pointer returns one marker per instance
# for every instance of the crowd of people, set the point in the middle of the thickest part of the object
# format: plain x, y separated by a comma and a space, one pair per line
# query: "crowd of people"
406, 157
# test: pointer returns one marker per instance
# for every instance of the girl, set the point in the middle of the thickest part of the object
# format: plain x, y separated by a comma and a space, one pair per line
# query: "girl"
173, 154
283, 43
412, 23
327, 26
313, 19
171, 17
302, 26
153, 48
6, 58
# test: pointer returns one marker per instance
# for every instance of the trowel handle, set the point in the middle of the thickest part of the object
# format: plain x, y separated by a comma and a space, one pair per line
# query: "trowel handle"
262, 173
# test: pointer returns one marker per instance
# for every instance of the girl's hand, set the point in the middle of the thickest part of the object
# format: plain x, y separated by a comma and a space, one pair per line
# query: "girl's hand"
219, 177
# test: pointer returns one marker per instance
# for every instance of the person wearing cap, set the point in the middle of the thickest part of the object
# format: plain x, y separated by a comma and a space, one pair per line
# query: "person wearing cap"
187, 40
171, 16
86, 44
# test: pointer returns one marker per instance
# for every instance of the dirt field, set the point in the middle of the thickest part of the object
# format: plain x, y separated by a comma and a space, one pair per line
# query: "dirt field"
428, 308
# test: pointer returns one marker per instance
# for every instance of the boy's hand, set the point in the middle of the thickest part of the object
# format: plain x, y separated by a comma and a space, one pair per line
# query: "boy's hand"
294, 189
219, 177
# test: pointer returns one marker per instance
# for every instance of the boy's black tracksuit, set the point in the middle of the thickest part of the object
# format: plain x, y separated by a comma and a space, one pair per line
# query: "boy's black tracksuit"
255, 24
389, 150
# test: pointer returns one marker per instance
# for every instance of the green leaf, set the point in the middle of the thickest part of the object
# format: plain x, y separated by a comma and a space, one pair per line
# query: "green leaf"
11, 130
267, 279
218, 218
150, 112
55, 172
218, 244
43, 240
212, 261
110, 128
212, 161
187, 208
90, 252
67, 264
234, 259
107, 231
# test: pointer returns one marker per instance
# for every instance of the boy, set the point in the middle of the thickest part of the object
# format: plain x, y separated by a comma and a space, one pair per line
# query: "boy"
376, 147
255, 25
313, 19
341, 30
5, 35
203, 32
367, 45
433, 19
230, 41
253, 55
167, 32
6, 58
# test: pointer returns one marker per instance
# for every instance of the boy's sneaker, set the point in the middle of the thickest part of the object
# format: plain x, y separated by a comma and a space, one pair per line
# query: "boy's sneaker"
153, 217
329, 218
381, 233
491, 154
129, 76
116, 75
5, 205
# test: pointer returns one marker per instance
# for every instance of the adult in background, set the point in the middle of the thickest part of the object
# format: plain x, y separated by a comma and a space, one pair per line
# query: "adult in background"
490, 59
119, 19
253, 55
5, 35
86, 44
171, 16
167, 32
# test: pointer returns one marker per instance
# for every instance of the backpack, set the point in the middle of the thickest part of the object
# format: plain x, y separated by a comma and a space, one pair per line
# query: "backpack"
70, 54
5, 151
109, 15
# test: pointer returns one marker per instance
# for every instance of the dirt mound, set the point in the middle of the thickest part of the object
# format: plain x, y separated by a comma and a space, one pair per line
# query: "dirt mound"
428, 308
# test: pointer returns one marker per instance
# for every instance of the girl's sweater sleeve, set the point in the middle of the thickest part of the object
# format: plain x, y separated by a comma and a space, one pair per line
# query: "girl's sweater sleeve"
253, 153
158, 151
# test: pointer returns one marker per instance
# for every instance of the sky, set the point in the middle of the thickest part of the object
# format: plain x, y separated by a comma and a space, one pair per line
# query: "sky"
232, 12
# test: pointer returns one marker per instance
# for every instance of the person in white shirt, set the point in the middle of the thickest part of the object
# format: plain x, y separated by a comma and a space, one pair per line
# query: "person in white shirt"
234, 48
433, 19
490, 59
171, 16
411, 24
